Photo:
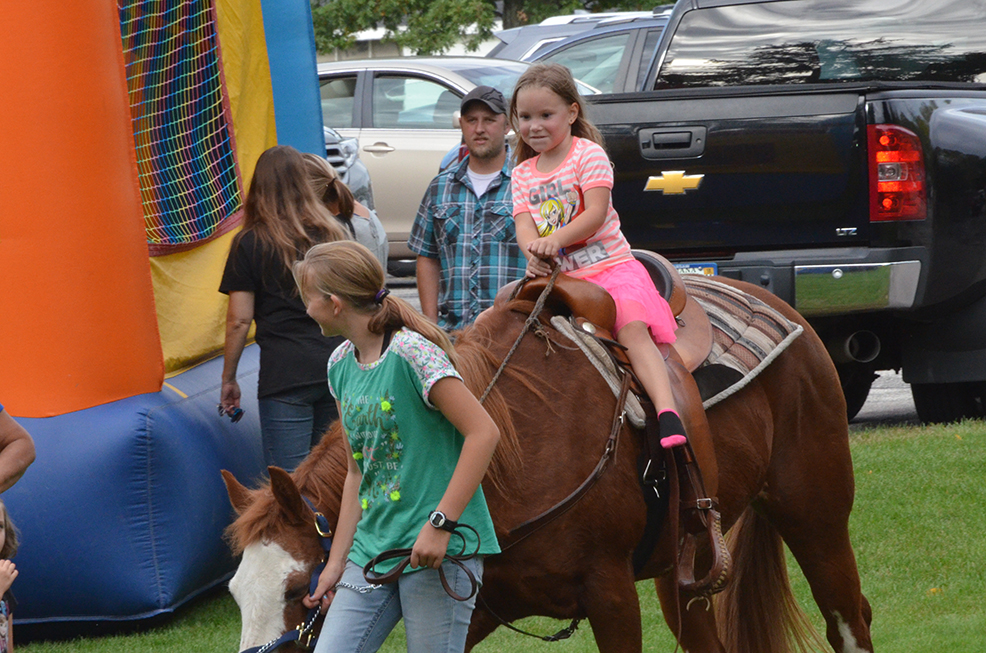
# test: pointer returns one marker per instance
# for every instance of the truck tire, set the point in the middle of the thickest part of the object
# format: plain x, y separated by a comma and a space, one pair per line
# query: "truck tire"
941, 403
856, 379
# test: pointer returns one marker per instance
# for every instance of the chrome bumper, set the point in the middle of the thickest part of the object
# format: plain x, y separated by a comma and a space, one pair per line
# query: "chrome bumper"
855, 287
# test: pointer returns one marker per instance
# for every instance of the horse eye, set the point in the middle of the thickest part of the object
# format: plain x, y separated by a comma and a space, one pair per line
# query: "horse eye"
296, 593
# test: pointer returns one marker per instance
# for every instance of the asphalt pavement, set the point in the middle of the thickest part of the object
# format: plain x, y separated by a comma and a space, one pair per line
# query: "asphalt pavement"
889, 402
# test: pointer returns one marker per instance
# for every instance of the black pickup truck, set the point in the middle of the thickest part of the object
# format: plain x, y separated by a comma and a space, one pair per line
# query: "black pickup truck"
833, 152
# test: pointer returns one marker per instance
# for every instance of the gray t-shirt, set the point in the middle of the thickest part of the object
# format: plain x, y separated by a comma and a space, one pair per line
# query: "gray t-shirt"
370, 233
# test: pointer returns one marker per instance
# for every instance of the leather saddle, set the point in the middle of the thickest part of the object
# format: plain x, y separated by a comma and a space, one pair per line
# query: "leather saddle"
588, 301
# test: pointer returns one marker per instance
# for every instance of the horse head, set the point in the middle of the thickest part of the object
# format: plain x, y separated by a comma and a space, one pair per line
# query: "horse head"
275, 533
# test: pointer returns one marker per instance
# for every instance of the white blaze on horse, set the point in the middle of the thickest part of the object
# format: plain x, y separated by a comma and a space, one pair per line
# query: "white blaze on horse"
784, 476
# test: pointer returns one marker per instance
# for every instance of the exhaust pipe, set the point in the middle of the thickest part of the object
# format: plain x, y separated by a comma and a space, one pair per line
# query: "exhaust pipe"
860, 347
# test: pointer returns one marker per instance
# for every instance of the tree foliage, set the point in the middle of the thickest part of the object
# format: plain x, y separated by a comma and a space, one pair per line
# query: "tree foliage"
434, 26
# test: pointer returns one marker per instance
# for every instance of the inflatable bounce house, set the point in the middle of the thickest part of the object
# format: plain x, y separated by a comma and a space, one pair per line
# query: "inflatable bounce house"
130, 132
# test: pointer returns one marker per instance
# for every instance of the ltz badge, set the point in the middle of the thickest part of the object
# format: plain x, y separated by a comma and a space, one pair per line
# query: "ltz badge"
673, 182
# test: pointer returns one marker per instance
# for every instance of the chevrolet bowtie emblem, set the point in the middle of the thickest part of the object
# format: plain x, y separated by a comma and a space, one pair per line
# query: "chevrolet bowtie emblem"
673, 182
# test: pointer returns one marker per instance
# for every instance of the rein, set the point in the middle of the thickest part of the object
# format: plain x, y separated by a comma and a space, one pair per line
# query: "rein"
303, 632
531, 319
533, 525
404, 555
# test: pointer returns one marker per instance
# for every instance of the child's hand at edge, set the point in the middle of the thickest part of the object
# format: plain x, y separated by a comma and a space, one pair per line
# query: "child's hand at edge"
538, 267
429, 548
545, 248
8, 573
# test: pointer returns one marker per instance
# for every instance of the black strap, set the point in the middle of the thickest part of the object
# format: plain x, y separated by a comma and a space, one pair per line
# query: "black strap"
651, 465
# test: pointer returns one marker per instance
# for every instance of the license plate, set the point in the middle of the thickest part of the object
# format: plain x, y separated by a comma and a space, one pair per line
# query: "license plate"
706, 269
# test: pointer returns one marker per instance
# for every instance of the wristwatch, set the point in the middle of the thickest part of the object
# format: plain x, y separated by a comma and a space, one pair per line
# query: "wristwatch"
438, 519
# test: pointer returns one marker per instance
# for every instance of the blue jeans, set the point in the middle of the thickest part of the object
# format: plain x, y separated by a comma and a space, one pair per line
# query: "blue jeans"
433, 620
293, 421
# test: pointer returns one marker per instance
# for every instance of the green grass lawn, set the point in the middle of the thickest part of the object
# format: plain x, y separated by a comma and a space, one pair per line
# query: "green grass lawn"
917, 529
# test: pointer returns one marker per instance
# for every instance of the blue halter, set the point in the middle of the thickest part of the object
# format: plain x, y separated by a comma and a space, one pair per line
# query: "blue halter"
303, 632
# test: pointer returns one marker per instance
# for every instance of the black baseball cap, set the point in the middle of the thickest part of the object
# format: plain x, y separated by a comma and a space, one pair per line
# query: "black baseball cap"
488, 96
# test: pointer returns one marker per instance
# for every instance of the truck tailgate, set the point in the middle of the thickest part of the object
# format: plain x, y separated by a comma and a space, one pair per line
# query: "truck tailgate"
774, 171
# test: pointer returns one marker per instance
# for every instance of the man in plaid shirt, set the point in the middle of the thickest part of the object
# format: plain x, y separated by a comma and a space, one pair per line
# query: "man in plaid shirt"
464, 232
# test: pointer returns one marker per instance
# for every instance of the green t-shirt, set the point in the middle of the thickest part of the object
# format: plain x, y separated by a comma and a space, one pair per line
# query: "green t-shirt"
404, 446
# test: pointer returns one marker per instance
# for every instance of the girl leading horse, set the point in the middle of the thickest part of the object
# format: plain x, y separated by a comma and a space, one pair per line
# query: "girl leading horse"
784, 476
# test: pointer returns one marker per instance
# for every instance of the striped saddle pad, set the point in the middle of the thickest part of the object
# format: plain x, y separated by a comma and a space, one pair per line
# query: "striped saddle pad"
747, 336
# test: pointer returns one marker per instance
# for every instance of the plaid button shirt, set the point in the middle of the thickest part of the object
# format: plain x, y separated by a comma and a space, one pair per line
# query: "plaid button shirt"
474, 239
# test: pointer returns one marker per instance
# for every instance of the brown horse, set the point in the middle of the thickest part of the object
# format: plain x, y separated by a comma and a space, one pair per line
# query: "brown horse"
784, 471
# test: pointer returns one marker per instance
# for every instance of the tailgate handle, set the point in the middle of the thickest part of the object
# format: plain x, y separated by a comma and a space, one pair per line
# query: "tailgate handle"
672, 142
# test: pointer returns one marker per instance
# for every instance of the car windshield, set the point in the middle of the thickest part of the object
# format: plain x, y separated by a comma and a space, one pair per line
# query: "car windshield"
501, 75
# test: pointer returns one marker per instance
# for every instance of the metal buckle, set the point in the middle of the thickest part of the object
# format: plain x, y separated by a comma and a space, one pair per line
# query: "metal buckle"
704, 504
319, 520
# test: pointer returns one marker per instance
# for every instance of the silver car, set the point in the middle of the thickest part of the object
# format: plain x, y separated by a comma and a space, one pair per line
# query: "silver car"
343, 154
404, 113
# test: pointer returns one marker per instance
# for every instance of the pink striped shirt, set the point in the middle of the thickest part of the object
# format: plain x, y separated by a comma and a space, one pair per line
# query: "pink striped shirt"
556, 198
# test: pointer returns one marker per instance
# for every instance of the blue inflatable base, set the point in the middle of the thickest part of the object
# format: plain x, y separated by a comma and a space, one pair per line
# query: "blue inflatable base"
122, 514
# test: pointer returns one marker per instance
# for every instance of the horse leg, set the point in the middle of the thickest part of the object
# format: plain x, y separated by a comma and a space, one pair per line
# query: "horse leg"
826, 558
809, 506
613, 609
697, 624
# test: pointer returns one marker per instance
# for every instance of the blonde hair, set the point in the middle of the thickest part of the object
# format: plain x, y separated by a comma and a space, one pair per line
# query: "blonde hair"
9, 549
282, 210
351, 272
327, 185
557, 79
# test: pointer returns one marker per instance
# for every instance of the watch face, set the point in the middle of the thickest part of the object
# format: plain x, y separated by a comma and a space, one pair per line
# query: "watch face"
437, 519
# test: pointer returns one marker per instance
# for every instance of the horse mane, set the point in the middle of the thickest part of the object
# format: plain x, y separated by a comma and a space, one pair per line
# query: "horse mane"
319, 478
477, 365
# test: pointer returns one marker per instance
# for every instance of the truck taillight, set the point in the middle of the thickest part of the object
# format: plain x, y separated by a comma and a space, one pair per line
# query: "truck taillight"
897, 186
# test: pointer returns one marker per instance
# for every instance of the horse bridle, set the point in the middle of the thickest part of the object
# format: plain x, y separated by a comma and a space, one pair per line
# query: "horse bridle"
304, 633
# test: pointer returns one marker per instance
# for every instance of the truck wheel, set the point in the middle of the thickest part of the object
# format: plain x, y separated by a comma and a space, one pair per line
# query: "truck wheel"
941, 403
856, 379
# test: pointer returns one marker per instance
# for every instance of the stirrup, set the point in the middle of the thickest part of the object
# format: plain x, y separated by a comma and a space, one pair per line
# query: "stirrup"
700, 518
718, 576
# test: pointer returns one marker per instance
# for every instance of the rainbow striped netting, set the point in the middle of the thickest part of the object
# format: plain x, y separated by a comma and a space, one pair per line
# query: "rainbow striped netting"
186, 163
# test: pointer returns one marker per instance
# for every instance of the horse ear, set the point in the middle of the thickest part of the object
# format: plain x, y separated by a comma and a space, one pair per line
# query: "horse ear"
287, 495
239, 495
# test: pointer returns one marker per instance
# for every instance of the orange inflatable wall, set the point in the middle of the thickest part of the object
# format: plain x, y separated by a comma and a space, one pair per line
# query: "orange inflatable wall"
77, 321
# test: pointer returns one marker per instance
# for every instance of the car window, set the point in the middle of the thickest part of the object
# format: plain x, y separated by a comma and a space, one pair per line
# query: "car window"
500, 74
337, 101
594, 61
647, 55
401, 102
813, 42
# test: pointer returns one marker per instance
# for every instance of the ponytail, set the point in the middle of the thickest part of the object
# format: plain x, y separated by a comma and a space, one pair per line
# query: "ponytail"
395, 313
329, 188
